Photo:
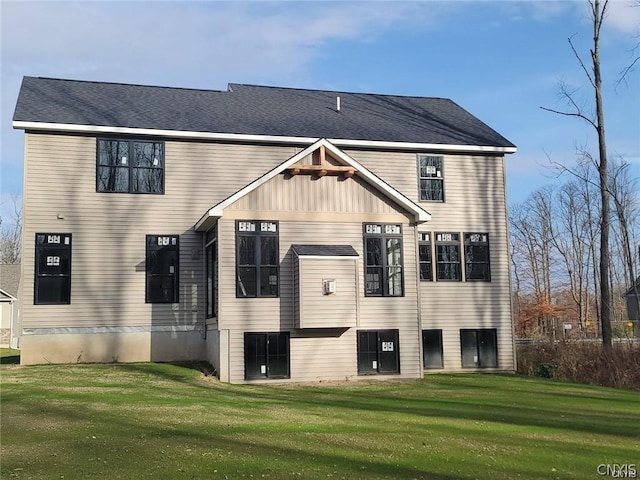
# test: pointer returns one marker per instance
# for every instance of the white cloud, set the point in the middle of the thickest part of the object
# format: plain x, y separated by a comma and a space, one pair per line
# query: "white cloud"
624, 16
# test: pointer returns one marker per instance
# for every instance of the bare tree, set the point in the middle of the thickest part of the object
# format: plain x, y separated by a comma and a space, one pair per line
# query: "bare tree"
11, 235
598, 14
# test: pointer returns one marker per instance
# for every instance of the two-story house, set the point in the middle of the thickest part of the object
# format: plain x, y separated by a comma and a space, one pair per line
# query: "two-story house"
278, 233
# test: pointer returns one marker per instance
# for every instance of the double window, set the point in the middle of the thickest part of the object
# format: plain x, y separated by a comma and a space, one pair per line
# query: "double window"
383, 256
479, 348
266, 355
130, 166
431, 178
257, 259
163, 252
448, 266
378, 352
53, 269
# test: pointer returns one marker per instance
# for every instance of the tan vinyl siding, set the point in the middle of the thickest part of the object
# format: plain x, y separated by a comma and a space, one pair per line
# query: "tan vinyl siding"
108, 252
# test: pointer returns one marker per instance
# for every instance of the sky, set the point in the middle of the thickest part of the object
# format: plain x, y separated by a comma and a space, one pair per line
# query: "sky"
500, 60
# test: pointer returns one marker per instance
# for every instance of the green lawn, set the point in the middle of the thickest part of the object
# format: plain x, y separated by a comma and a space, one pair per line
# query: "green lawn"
166, 421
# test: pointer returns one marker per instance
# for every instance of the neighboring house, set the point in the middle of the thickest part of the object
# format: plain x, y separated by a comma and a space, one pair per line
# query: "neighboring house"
632, 297
9, 305
278, 233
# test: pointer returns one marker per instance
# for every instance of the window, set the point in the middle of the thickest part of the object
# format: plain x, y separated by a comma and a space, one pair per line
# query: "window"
163, 253
212, 274
378, 352
431, 178
257, 259
266, 355
448, 257
432, 348
476, 257
424, 255
479, 348
53, 269
128, 166
383, 254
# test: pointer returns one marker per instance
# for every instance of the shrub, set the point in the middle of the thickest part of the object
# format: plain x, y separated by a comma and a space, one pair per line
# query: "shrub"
583, 362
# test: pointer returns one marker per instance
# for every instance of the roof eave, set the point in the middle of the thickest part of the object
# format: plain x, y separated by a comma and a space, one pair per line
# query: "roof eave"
278, 139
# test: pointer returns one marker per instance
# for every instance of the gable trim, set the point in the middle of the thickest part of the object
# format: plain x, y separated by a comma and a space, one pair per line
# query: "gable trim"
420, 215
237, 137
8, 295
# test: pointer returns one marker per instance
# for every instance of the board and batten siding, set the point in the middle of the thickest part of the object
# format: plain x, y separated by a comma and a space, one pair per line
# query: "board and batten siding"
329, 353
108, 238
474, 189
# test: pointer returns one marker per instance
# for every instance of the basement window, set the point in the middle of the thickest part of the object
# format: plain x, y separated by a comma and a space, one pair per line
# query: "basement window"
163, 254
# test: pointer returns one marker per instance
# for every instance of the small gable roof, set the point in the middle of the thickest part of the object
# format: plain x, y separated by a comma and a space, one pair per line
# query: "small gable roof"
10, 279
420, 215
253, 113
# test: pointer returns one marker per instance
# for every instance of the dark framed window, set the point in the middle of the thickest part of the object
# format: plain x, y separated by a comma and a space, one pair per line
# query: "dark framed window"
425, 256
432, 348
431, 178
378, 352
163, 254
257, 259
383, 257
130, 166
266, 355
479, 348
53, 269
448, 265
476, 257
211, 253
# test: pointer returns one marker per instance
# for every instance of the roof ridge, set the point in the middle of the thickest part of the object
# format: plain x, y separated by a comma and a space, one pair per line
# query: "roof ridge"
128, 84
298, 89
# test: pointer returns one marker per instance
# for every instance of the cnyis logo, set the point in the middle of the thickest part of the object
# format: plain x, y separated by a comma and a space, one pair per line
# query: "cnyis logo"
618, 470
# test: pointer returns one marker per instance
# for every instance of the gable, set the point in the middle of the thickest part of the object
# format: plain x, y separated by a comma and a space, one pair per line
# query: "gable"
352, 181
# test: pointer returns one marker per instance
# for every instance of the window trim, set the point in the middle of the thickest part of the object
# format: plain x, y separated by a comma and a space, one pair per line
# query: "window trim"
37, 275
385, 278
425, 238
419, 156
130, 166
286, 335
211, 297
467, 263
257, 254
176, 275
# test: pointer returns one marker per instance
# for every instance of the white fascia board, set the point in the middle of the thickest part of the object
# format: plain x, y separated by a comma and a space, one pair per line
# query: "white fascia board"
420, 214
340, 142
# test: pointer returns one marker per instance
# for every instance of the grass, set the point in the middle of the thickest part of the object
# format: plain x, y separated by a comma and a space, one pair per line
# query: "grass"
130, 421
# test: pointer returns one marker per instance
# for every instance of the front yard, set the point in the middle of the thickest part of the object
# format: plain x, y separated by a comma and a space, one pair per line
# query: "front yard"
130, 421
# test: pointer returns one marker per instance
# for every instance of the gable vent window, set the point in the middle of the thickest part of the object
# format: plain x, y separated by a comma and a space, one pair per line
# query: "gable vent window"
431, 178
130, 166
53, 269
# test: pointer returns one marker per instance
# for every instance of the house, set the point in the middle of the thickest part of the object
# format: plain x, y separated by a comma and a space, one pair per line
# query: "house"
632, 297
280, 234
9, 305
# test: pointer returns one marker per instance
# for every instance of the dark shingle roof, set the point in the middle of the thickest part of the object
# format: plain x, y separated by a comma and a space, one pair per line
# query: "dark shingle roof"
254, 110
325, 250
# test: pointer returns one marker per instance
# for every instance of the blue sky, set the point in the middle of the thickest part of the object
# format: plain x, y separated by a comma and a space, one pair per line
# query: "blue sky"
501, 61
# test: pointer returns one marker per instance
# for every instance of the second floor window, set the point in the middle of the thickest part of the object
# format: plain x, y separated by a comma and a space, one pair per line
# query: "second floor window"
130, 166
476, 257
383, 257
448, 257
257, 259
424, 253
431, 178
